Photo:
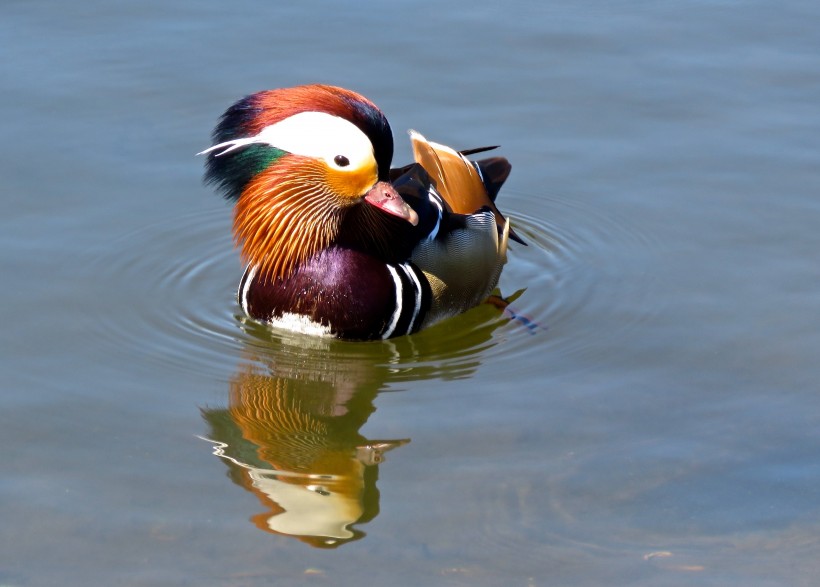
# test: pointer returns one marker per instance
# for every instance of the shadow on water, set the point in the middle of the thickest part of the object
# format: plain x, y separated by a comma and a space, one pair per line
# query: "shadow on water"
290, 433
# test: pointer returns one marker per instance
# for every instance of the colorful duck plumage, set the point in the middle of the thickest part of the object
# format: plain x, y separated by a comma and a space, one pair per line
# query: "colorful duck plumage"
337, 243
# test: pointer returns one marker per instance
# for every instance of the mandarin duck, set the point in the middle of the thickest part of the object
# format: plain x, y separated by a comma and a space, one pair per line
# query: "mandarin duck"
335, 241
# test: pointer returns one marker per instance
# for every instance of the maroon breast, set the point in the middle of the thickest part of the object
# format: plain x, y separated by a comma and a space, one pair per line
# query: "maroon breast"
354, 294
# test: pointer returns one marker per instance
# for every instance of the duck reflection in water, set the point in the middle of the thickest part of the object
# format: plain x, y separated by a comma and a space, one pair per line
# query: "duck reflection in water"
290, 432
296, 445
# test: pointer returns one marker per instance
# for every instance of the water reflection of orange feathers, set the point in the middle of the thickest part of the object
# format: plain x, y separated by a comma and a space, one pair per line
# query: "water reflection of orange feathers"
300, 452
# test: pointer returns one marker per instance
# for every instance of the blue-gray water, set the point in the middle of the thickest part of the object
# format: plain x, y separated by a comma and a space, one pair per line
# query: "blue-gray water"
661, 427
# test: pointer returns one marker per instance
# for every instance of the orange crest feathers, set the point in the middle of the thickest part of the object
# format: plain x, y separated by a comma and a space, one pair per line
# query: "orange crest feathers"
286, 214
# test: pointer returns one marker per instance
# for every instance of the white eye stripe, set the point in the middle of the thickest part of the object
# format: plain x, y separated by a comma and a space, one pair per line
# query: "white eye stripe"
311, 134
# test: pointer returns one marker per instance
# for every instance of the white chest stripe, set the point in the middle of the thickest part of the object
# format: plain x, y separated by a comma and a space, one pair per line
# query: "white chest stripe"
394, 319
412, 274
250, 273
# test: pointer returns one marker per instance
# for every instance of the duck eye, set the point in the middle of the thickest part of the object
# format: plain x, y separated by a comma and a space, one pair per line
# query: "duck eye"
341, 160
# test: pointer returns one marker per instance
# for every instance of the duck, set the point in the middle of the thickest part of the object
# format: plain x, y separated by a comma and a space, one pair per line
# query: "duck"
337, 243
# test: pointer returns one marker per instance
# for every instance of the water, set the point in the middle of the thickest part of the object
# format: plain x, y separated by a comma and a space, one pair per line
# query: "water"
659, 426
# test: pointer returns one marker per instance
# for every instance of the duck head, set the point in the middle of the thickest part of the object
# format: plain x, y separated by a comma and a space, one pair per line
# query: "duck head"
297, 161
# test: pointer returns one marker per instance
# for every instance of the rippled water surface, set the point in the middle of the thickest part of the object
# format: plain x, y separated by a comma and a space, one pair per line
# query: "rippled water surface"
646, 413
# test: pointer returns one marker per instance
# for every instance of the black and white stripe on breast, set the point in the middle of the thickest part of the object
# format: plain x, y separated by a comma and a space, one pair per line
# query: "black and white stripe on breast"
412, 299
244, 287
